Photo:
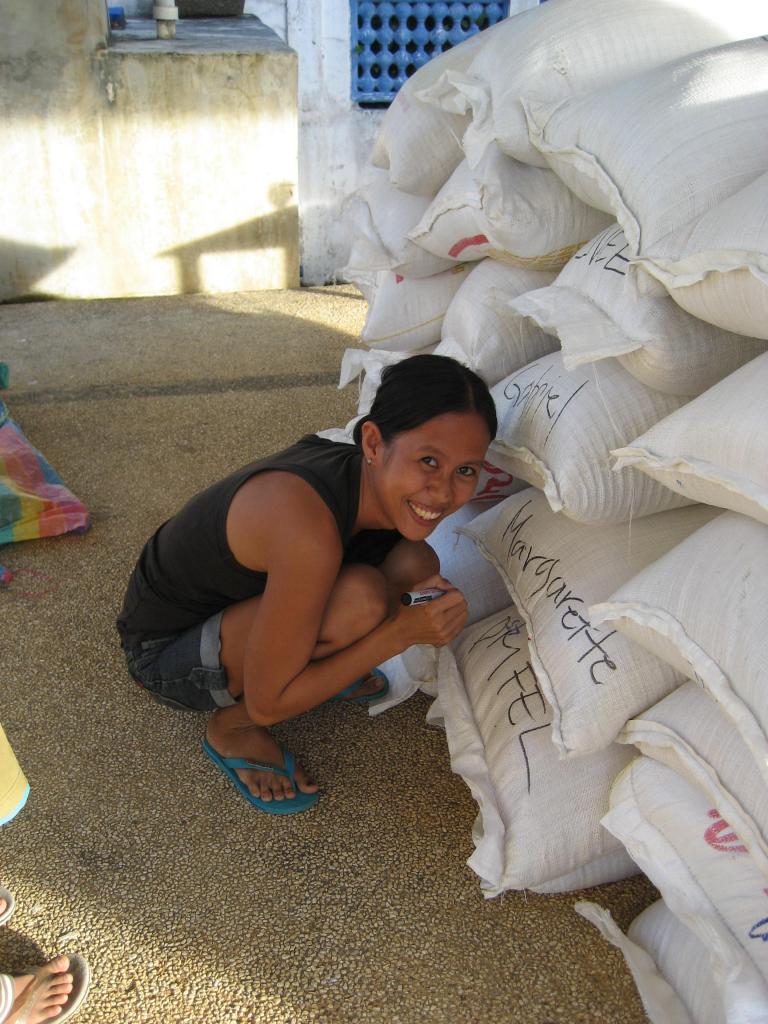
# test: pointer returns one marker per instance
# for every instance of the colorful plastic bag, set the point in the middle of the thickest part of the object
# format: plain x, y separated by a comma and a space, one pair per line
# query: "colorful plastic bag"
34, 502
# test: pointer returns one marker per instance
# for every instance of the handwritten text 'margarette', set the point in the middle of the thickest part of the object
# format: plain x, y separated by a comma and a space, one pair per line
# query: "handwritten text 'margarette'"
555, 589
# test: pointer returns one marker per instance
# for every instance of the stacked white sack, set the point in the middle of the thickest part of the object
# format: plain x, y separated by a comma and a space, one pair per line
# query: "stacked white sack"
558, 427
538, 825
661, 149
594, 678
702, 608
508, 211
405, 314
716, 266
564, 48
377, 218
698, 797
705, 876
715, 449
690, 733
411, 128
559, 423
596, 310
669, 963
408, 290
480, 329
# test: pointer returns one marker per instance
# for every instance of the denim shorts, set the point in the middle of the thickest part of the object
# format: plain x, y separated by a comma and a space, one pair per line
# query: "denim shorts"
183, 671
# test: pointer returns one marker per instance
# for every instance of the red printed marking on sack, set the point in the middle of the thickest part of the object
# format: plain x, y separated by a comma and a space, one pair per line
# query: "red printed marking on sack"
497, 480
466, 243
727, 843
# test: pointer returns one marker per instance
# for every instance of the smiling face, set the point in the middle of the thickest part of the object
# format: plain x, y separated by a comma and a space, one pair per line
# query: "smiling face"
423, 475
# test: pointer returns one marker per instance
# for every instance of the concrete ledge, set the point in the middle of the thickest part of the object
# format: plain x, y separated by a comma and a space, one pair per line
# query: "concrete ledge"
150, 167
247, 34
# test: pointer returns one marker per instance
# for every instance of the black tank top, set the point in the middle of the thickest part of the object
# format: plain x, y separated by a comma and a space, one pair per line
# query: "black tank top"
186, 572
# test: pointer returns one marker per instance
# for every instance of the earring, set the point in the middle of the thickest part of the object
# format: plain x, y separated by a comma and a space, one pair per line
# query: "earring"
369, 461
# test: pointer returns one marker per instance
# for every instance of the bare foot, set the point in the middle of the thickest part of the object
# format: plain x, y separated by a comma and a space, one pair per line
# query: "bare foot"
231, 734
39, 996
371, 684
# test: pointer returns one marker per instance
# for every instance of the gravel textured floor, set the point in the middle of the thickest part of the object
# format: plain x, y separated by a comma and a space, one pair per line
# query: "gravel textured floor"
189, 905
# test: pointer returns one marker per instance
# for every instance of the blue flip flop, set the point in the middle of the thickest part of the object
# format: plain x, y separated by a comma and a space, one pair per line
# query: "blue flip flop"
291, 805
366, 698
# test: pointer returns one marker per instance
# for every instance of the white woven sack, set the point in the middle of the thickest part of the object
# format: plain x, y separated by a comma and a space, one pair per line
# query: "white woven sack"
539, 817
366, 365
562, 49
661, 149
509, 211
611, 867
714, 449
557, 428
703, 608
462, 564
596, 310
594, 678
716, 266
689, 732
420, 144
715, 890
377, 218
668, 963
413, 670
482, 332
405, 314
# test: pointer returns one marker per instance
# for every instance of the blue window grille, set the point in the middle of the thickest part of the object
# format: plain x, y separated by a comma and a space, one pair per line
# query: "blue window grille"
391, 40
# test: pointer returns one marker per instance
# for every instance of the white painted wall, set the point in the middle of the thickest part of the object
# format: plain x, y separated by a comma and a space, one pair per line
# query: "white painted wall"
335, 135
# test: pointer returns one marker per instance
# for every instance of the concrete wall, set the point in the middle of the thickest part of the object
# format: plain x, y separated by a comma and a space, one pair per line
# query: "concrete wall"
143, 168
336, 136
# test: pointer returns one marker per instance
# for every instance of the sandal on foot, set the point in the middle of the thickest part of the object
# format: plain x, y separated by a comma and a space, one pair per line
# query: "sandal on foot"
7, 914
81, 980
365, 698
290, 805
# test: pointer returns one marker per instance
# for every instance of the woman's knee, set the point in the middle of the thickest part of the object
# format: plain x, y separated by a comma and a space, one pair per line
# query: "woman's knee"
363, 590
358, 605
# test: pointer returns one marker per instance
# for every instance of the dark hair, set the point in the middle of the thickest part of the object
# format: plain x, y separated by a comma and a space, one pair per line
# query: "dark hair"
421, 387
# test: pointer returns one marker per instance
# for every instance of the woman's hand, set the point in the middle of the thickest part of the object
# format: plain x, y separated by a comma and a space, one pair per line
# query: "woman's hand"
436, 622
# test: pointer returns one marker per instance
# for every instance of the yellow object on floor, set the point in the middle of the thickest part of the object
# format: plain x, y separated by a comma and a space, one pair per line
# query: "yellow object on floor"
14, 788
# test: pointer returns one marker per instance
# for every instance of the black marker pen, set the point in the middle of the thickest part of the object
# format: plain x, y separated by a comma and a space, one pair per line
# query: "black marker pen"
421, 596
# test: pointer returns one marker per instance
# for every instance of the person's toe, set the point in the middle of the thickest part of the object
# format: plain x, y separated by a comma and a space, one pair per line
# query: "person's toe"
287, 792
61, 983
265, 788
304, 782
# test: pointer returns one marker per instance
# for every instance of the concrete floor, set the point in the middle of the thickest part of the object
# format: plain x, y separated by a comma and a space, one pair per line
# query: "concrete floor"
191, 906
